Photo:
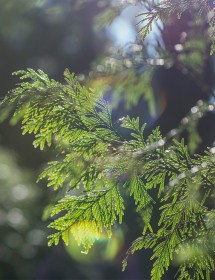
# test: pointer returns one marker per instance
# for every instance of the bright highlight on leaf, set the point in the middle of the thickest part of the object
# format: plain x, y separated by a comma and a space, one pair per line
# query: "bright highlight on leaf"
85, 233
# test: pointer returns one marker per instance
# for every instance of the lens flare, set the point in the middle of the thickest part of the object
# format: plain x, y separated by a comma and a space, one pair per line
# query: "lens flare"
84, 234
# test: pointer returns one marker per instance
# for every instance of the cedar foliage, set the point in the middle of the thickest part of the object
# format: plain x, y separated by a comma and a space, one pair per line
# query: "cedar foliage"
95, 159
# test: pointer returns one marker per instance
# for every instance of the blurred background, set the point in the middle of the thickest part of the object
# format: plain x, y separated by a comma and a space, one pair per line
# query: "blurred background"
53, 35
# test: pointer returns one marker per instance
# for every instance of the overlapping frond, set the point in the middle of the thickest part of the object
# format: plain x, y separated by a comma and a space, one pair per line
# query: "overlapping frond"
96, 211
164, 9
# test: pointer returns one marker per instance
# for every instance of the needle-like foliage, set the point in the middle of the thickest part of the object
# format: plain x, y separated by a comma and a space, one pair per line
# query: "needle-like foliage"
93, 156
96, 166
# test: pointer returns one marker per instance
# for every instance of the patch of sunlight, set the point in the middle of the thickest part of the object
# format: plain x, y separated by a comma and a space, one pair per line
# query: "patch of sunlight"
85, 234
